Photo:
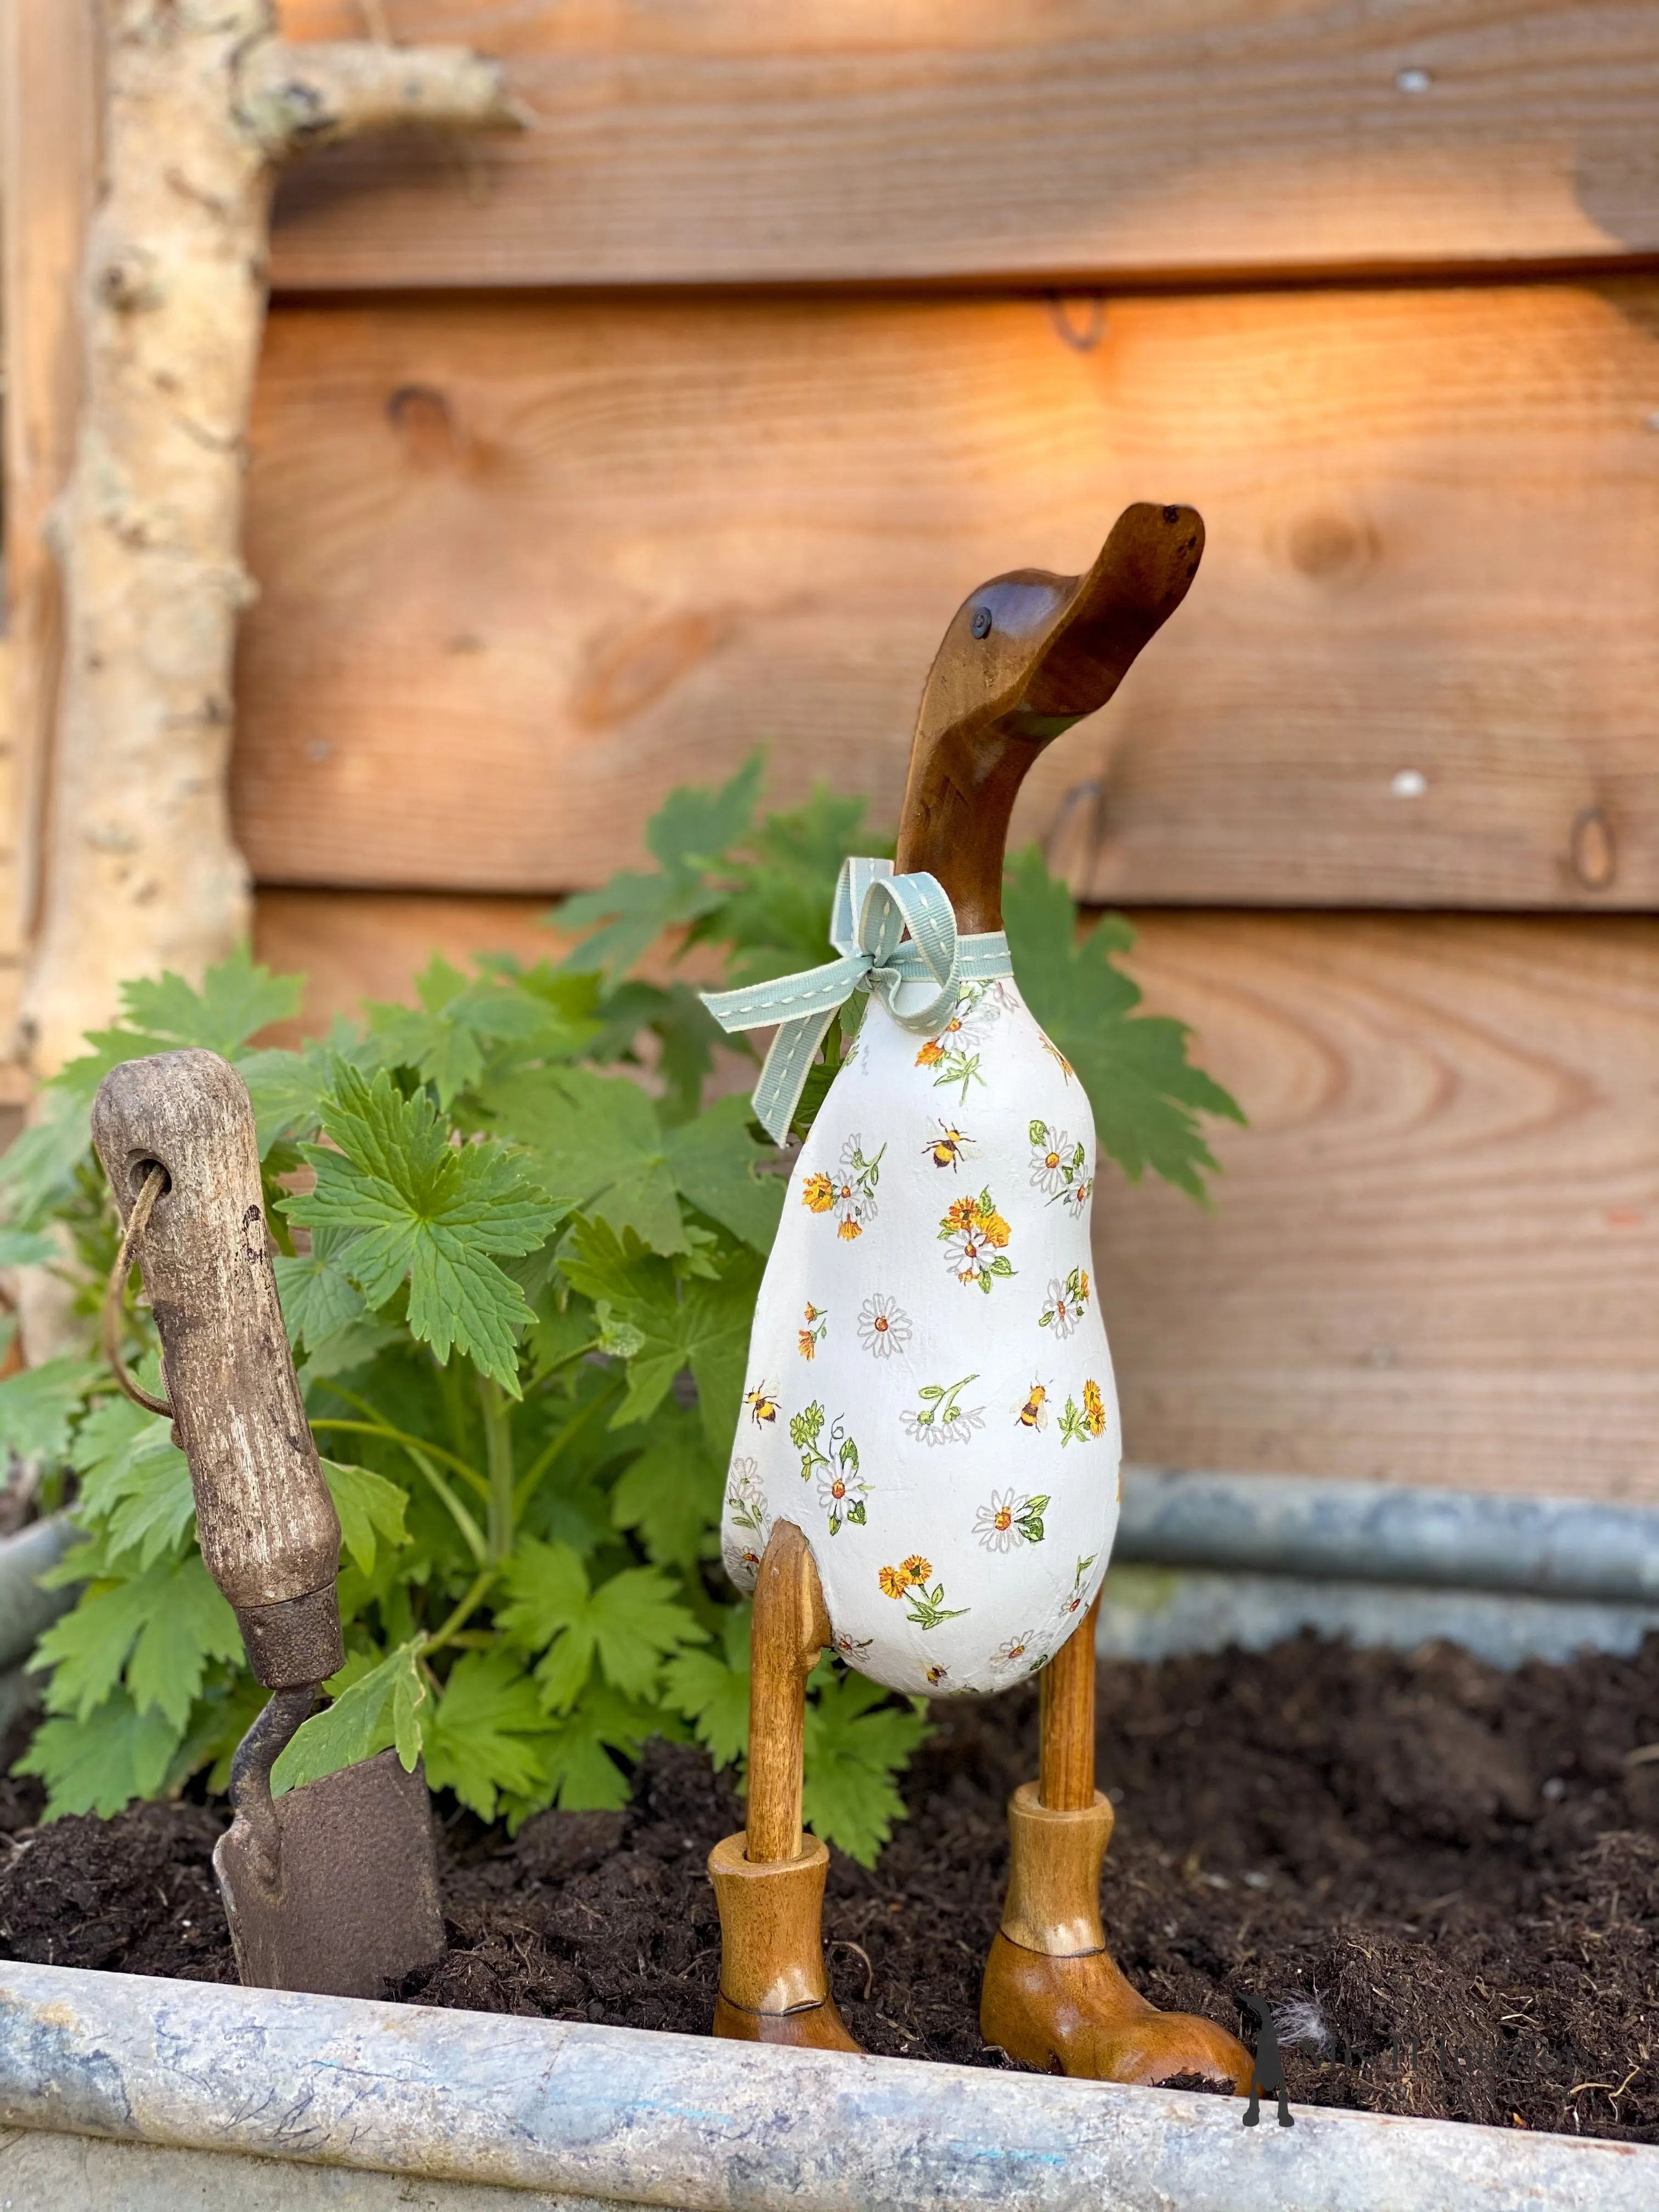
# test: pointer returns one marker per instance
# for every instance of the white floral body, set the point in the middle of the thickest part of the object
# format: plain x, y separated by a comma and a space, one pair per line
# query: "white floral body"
929, 1395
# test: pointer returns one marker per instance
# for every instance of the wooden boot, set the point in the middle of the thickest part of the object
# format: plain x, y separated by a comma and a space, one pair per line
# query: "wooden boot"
772, 1984
1053, 1998
769, 1881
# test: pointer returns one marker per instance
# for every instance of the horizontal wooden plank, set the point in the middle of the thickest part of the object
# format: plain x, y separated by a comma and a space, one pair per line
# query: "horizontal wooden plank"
910, 139
1434, 1254
526, 564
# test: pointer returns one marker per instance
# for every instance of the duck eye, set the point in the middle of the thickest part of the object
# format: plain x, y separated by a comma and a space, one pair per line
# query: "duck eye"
981, 624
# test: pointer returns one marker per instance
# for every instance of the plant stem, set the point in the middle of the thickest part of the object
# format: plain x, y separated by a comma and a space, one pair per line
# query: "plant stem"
544, 1459
417, 1451
470, 1603
378, 1425
498, 1452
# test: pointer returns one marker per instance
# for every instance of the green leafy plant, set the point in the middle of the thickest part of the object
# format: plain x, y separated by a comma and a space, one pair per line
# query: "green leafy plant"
519, 1255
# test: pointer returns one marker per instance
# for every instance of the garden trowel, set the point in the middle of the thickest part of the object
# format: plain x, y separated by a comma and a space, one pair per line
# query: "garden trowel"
332, 1889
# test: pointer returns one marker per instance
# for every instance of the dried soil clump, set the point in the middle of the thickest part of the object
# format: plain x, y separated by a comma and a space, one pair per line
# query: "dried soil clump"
1445, 1878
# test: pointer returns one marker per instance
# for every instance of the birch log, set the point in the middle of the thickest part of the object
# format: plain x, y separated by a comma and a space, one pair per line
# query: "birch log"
204, 103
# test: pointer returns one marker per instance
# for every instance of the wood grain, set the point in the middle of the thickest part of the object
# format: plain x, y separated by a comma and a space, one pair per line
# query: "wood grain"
906, 139
527, 565
1434, 1254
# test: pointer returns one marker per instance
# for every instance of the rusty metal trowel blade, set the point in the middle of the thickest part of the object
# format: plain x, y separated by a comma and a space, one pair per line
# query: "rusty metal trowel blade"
350, 1903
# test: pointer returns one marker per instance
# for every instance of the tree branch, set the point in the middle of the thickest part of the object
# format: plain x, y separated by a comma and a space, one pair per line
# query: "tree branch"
292, 97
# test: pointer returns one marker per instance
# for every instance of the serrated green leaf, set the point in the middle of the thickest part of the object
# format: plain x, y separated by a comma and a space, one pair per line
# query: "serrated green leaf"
284, 1088
371, 1511
431, 1214
318, 1296
190, 1626
714, 1162
135, 1481
168, 1618
101, 1763
686, 836
163, 1014
629, 1624
857, 1742
372, 1711
445, 1039
489, 1733
711, 1688
595, 1145
1146, 1094
773, 916
37, 1169
37, 1406
698, 1324
670, 1496
582, 1777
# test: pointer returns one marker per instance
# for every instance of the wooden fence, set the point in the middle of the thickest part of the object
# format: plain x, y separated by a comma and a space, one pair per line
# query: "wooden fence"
586, 461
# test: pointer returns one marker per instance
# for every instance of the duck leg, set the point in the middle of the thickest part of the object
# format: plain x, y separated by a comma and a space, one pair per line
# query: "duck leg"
769, 1881
1053, 1998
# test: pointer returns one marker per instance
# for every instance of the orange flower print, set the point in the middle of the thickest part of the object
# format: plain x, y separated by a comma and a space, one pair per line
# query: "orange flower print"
1094, 1409
894, 1581
975, 1234
850, 1192
916, 1569
816, 1328
1077, 1427
931, 1054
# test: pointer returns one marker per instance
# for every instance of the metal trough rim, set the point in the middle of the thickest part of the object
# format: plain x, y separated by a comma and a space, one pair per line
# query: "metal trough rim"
622, 2115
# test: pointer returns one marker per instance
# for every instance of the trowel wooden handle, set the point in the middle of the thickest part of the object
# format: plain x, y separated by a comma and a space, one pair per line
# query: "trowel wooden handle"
269, 1533
1025, 656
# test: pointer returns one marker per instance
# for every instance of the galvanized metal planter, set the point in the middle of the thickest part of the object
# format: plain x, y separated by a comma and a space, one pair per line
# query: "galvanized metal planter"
121, 2094
138, 2094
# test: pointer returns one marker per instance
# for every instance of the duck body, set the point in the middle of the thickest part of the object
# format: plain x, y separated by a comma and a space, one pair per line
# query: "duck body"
929, 1393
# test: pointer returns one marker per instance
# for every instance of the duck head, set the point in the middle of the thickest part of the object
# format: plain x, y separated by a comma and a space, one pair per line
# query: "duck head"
1024, 657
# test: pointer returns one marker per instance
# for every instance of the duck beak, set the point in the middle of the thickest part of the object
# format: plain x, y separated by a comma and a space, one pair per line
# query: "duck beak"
1107, 615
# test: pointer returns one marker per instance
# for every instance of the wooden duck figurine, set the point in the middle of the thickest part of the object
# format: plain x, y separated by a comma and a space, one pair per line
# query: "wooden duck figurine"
925, 1472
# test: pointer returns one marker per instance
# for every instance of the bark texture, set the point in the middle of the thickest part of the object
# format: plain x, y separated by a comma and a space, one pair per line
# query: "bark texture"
264, 1514
203, 103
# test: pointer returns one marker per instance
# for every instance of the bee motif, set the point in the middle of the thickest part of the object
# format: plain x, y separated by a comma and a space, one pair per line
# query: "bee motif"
950, 1146
762, 1404
1033, 1413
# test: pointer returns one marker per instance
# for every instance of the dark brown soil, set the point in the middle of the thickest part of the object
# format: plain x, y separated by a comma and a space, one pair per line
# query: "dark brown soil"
1445, 1878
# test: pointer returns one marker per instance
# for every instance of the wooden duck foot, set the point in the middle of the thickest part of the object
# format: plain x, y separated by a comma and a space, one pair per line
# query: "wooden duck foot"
773, 1988
769, 1881
1052, 1998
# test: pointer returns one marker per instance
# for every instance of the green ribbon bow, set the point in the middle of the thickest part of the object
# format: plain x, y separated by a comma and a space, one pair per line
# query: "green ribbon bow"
917, 981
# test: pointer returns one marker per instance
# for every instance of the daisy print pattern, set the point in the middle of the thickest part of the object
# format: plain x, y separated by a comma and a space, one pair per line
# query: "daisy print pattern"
834, 1459
948, 1458
1059, 1166
975, 1235
1065, 1305
1020, 1654
883, 1326
1008, 1522
940, 1419
849, 1193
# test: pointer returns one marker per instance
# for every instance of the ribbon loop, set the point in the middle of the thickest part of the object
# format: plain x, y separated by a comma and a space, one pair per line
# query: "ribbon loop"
917, 979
